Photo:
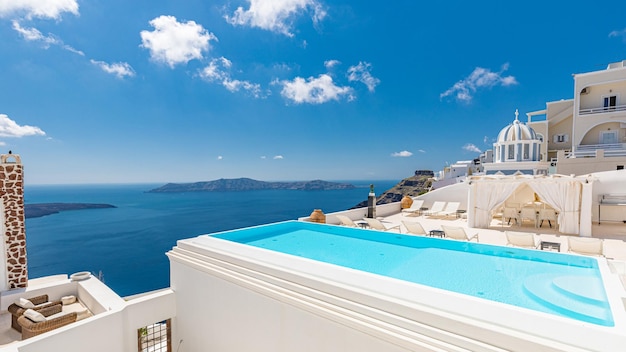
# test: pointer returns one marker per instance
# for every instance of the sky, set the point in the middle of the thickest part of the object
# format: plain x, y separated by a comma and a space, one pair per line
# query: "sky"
117, 91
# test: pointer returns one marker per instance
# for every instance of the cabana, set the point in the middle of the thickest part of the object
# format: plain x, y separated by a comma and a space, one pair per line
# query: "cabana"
570, 196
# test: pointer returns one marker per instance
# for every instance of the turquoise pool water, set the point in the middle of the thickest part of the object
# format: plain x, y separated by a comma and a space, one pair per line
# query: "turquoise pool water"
561, 284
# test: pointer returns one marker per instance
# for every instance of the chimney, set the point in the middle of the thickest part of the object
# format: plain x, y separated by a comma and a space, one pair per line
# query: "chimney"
15, 271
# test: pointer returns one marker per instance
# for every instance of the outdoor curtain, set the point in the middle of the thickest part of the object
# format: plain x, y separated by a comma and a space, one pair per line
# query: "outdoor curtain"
564, 197
489, 196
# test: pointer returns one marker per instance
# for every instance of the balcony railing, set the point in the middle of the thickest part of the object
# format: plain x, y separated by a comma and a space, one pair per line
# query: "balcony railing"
589, 150
602, 110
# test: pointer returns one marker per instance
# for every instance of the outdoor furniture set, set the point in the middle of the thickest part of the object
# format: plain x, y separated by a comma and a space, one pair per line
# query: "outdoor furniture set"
37, 315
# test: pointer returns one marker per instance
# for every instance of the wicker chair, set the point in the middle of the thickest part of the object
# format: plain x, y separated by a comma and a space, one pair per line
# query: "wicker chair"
30, 328
16, 311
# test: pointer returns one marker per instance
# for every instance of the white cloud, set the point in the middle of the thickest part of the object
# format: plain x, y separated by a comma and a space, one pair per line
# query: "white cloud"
219, 157
621, 33
263, 157
314, 90
278, 157
218, 71
471, 148
331, 63
119, 69
33, 34
276, 15
38, 8
174, 42
361, 73
402, 154
9, 128
464, 89
421, 151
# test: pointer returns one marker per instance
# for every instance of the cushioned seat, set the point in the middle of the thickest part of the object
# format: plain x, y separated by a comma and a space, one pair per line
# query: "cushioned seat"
46, 319
19, 307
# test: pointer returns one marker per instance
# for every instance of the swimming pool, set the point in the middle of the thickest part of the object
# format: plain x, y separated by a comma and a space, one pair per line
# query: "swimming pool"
554, 283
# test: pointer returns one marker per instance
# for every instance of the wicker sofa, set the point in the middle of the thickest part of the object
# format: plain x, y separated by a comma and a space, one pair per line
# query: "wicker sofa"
31, 328
16, 311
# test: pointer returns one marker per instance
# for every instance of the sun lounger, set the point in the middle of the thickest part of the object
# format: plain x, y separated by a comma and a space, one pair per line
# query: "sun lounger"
415, 207
451, 208
346, 221
378, 225
520, 239
414, 228
458, 233
436, 208
586, 246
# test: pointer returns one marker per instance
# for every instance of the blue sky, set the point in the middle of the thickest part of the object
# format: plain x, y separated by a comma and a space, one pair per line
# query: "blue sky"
180, 91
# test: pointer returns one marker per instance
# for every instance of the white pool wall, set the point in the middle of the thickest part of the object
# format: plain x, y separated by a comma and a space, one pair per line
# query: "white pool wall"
245, 298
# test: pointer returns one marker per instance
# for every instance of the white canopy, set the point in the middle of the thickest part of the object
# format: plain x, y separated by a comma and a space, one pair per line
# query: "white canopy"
563, 193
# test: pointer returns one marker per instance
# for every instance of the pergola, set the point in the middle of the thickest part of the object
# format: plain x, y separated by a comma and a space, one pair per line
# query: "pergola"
570, 196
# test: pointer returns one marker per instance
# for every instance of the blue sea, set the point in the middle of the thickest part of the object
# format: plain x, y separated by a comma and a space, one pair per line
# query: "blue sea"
127, 244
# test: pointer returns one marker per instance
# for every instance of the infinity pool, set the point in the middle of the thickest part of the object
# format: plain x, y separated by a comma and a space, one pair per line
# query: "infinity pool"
560, 284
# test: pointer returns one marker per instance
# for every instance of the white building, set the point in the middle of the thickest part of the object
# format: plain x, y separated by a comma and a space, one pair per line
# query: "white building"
518, 150
587, 133
574, 136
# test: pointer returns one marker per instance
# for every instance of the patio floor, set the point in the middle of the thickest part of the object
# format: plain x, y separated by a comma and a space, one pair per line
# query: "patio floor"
614, 234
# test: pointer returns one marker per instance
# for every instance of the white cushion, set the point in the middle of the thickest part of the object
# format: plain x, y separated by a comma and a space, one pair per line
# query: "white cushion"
34, 316
24, 303
68, 300
82, 314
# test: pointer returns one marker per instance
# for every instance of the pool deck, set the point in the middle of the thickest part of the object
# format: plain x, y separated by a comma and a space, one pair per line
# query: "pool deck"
613, 234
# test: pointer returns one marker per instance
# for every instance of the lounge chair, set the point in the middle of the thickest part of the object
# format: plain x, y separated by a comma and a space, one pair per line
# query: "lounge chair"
346, 221
414, 228
436, 208
458, 233
520, 239
451, 208
586, 246
416, 207
547, 214
378, 225
54, 318
38, 302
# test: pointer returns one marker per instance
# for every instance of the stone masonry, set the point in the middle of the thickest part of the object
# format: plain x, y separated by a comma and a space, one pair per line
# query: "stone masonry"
12, 193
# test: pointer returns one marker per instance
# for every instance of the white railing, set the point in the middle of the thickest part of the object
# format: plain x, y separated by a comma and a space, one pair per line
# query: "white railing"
602, 110
589, 150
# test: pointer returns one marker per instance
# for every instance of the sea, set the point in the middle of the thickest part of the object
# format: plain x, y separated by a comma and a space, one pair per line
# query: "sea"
125, 246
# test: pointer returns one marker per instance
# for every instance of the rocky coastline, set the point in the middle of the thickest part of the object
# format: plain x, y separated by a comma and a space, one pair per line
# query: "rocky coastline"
42, 209
415, 185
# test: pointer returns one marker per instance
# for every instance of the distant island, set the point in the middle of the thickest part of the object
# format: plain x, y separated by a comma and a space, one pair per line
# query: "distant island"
42, 209
248, 184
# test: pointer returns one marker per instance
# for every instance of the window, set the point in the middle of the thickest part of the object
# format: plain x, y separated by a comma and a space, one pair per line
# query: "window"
526, 151
610, 102
511, 151
560, 138
620, 167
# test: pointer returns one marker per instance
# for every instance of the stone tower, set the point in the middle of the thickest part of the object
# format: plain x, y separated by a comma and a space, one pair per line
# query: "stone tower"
13, 226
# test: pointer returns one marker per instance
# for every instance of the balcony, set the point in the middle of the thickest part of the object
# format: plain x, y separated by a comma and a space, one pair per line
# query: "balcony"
589, 150
602, 110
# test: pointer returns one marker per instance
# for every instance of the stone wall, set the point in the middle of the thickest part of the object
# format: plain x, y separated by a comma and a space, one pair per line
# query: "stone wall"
12, 193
